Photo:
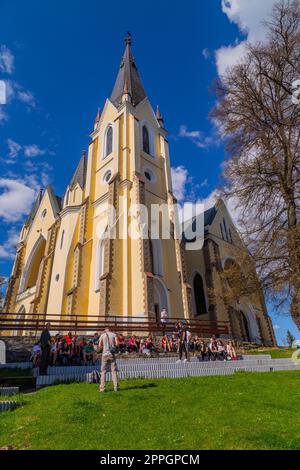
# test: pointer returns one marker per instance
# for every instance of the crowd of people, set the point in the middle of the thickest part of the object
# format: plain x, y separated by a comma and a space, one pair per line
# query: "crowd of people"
72, 350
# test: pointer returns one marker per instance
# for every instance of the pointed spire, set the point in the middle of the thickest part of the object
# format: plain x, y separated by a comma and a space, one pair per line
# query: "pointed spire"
97, 120
80, 173
159, 116
35, 207
128, 78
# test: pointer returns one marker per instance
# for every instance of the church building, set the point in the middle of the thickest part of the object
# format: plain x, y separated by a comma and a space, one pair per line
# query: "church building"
67, 263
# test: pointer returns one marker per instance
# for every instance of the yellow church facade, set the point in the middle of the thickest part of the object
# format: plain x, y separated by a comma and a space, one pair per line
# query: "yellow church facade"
68, 262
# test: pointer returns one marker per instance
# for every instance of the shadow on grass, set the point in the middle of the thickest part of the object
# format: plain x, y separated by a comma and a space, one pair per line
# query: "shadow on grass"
125, 388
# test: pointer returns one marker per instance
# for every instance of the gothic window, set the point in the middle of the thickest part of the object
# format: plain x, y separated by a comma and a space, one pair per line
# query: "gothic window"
199, 295
109, 141
31, 269
100, 257
222, 231
157, 257
150, 175
107, 176
226, 231
62, 239
146, 140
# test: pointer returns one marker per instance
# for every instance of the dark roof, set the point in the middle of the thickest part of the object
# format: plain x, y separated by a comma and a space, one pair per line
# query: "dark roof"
35, 207
128, 78
56, 204
209, 217
54, 200
80, 173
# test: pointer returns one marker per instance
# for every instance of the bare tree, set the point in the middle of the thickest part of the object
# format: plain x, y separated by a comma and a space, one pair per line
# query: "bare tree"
260, 121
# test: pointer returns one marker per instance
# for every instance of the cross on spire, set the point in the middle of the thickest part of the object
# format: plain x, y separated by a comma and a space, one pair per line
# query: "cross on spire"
128, 78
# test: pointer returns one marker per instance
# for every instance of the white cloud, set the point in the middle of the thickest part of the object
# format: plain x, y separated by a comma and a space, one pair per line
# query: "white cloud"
8, 249
228, 56
26, 97
206, 53
209, 201
33, 150
179, 179
15, 91
13, 149
197, 137
6, 60
276, 327
16, 199
248, 16
29, 151
3, 115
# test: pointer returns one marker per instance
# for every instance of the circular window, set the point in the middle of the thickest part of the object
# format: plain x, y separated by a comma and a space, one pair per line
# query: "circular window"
149, 175
107, 176
44, 213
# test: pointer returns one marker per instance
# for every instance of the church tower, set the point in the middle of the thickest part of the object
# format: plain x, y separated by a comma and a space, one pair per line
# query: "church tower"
101, 250
128, 165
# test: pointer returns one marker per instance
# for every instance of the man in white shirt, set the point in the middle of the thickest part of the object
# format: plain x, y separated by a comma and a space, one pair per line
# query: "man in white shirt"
108, 343
164, 319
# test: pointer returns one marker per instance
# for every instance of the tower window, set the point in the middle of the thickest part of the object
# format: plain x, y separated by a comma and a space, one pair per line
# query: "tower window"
226, 231
109, 141
62, 239
107, 176
44, 213
146, 140
150, 175
200, 301
222, 231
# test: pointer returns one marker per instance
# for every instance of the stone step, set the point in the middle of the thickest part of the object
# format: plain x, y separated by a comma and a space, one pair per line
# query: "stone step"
16, 365
166, 373
162, 366
9, 391
8, 405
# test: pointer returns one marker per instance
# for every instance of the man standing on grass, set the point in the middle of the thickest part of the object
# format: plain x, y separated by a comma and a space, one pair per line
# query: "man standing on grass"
108, 343
45, 341
182, 339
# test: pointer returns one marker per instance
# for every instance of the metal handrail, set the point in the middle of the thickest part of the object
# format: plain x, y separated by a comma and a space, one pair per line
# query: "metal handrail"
36, 322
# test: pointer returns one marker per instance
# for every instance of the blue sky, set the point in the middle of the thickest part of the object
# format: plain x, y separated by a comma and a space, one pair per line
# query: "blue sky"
60, 59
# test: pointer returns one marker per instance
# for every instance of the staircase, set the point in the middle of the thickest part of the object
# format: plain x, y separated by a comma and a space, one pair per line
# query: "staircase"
166, 367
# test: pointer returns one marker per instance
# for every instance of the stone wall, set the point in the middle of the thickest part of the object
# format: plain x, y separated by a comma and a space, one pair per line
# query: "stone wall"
18, 349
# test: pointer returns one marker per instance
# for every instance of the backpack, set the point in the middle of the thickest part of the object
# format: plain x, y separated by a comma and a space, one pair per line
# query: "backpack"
95, 377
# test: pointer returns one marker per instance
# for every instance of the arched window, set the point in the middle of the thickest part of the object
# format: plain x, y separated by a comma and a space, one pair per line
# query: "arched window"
108, 141
62, 239
157, 257
222, 231
146, 140
100, 257
31, 270
200, 302
245, 328
226, 231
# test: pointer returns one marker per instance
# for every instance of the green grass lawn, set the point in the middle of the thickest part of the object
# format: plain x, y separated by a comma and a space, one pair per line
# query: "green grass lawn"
245, 411
281, 353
